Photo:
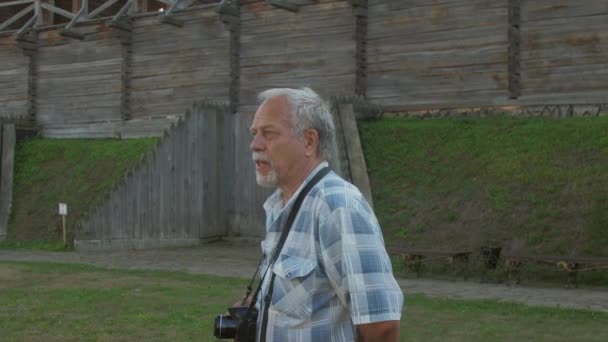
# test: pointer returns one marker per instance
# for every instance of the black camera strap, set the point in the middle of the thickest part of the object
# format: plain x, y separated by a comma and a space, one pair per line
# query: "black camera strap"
279, 247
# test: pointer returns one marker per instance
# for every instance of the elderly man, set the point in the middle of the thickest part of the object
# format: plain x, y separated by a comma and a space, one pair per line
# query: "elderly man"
333, 278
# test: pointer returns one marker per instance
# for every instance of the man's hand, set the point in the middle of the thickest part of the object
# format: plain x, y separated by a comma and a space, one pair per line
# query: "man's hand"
240, 302
387, 331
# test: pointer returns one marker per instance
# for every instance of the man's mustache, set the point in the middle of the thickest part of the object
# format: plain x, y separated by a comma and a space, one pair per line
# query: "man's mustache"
256, 156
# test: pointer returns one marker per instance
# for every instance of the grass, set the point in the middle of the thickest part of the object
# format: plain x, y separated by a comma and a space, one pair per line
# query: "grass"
72, 302
78, 172
534, 185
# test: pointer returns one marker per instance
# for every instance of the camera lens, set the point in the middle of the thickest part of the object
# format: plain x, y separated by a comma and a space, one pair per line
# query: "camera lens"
224, 326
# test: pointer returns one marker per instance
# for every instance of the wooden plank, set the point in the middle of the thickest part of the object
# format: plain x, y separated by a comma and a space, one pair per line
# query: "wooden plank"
7, 160
354, 151
550, 9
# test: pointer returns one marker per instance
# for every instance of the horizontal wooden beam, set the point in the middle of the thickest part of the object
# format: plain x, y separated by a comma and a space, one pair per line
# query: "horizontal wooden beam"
71, 34
172, 21
284, 4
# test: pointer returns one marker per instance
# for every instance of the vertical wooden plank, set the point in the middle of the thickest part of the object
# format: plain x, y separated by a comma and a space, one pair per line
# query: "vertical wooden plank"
201, 165
159, 187
181, 180
7, 157
356, 159
172, 191
187, 155
229, 174
150, 222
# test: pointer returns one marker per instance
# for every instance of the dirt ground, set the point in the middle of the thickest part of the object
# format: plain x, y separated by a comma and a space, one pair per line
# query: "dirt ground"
239, 259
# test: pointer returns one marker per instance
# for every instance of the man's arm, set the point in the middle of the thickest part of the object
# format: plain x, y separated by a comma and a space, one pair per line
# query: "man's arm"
387, 331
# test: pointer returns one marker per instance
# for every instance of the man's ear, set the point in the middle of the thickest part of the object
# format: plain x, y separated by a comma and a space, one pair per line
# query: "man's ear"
311, 138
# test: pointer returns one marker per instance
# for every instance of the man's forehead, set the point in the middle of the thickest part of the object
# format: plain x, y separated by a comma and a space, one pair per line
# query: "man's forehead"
271, 112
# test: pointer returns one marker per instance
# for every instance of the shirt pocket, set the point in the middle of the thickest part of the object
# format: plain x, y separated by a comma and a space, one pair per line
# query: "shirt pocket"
293, 287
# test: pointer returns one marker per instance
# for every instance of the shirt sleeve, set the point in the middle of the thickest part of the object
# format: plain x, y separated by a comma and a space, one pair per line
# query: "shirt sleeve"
358, 267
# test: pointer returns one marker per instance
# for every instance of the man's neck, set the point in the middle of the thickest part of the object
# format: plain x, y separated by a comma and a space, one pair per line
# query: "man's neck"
290, 188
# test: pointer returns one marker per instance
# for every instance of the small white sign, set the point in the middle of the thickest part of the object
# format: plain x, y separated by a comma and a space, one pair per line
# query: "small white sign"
63, 209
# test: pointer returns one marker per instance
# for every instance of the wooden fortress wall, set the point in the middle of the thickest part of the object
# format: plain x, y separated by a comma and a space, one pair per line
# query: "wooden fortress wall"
407, 56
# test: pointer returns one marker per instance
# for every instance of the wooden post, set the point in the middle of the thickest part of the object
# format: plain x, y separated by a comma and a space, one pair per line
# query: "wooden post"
48, 16
514, 49
63, 229
360, 11
38, 11
356, 159
63, 211
7, 154
142, 6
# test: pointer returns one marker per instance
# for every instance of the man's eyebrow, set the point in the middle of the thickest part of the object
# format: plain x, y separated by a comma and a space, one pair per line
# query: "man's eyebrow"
262, 127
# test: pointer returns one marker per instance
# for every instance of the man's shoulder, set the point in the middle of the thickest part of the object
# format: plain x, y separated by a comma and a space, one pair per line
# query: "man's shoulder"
337, 193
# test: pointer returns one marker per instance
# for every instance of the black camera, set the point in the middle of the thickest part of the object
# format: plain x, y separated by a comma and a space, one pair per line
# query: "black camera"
240, 324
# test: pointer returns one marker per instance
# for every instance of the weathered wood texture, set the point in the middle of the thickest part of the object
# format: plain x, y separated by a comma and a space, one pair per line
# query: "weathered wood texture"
174, 66
437, 53
564, 52
312, 47
79, 81
135, 128
13, 80
7, 154
177, 195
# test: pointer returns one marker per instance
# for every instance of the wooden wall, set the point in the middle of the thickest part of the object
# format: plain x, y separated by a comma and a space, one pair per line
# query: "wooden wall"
176, 196
419, 55
430, 53
79, 81
313, 47
564, 51
13, 80
172, 66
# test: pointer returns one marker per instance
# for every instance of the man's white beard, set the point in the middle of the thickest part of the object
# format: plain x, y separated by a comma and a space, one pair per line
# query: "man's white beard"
271, 180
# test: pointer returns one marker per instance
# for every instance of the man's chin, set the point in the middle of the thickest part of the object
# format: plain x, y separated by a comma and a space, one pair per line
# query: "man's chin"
266, 181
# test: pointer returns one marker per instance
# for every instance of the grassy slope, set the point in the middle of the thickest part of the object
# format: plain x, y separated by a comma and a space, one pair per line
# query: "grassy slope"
76, 302
77, 172
538, 185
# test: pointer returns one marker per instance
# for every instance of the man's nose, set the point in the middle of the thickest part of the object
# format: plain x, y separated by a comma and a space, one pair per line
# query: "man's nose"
256, 144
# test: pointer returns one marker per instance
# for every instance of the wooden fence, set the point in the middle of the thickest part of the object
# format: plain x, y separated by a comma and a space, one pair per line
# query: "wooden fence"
7, 153
179, 193
195, 185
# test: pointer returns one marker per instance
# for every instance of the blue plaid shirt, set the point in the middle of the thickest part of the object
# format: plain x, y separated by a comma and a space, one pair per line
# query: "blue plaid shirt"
333, 272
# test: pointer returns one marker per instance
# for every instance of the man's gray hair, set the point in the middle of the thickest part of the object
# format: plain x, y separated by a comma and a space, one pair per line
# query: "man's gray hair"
308, 110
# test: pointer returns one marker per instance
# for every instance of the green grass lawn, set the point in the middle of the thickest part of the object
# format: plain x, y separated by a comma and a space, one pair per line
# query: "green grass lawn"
79, 172
534, 185
60, 302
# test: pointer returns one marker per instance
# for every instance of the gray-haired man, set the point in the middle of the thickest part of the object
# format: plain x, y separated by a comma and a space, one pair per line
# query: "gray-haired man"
333, 277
